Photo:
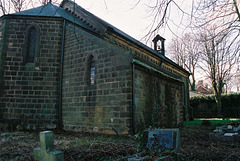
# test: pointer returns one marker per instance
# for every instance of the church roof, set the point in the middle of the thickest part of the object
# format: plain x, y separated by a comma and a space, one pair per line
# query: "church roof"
50, 10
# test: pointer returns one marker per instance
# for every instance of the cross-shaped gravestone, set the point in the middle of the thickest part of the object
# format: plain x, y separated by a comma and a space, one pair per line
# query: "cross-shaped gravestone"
46, 151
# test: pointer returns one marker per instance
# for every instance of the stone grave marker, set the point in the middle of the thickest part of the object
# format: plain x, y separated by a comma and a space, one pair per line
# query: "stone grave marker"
226, 133
163, 139
46, 151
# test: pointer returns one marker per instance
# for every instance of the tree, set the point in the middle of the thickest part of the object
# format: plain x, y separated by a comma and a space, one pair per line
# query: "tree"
185, 52
220, 42
194, 12
218, 59
18, 5
4, 6
10, 6
223, 15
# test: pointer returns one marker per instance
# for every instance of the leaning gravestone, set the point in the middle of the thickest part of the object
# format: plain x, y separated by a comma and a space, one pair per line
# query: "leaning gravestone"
46, 151
162, 139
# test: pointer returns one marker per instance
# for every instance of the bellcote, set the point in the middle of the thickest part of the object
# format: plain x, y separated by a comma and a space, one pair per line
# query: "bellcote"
159, 44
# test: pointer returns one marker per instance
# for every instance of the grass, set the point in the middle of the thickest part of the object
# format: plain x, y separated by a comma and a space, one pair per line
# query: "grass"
213, 121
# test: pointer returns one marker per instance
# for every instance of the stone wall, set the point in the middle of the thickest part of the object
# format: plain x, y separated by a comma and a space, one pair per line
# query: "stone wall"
30, 93
1, 69
158, 100
105, 106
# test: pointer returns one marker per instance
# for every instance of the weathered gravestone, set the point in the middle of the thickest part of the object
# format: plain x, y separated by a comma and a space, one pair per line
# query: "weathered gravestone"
162, 139
46, 151
226, 133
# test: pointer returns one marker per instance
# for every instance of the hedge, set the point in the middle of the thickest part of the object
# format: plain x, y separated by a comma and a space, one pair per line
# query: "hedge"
205, 106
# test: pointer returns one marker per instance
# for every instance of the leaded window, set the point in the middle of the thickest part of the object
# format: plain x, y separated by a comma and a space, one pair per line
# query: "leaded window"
31, 46
92, 70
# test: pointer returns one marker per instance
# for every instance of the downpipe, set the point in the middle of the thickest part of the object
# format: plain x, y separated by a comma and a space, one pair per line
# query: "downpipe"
61, 78
133, 98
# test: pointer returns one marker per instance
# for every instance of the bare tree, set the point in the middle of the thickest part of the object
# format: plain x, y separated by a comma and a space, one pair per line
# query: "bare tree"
237, 78
18, 5
193, 13
218, 59
185, 52
10, 6
5, 6
161, 11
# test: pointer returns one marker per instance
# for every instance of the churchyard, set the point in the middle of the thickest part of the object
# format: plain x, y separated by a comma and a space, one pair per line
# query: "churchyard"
194, 140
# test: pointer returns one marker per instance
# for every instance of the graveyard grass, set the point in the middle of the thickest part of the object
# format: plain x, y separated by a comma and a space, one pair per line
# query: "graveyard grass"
213, 121
195, 145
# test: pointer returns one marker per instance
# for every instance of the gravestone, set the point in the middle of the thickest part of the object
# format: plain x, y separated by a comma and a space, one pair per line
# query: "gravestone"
226, 133
46, 151
162, 139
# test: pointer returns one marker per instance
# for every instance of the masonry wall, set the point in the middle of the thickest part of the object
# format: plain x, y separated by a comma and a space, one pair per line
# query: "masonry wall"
30, 91
158, 100
185, 98
1, 69
103, 107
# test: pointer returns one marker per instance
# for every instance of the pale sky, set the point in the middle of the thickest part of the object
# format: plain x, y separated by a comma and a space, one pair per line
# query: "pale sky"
123, 14
133, 19
128, 16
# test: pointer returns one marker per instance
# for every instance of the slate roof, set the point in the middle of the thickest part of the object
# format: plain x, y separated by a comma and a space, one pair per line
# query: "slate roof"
50, 10
88, 21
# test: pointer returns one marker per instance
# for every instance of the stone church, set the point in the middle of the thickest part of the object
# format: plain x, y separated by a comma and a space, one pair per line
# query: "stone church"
61, 66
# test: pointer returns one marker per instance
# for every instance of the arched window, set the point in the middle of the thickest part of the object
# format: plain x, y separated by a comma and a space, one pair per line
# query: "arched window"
31, 45
92, 70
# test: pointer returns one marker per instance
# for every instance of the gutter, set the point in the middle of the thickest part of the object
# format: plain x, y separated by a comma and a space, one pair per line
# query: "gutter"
155, 70
61, 78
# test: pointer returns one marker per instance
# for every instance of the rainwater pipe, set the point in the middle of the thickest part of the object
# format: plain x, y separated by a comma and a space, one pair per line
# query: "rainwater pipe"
61, 77
133, 97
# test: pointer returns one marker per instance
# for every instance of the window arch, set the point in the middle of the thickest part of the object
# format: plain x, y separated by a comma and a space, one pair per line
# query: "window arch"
92, 77
31, 48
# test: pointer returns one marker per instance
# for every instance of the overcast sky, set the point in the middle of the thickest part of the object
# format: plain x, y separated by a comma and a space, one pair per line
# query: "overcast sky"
125, 15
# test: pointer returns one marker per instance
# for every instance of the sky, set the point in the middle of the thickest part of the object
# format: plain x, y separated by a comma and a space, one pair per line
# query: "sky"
129, 16
132, 17
125, 15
